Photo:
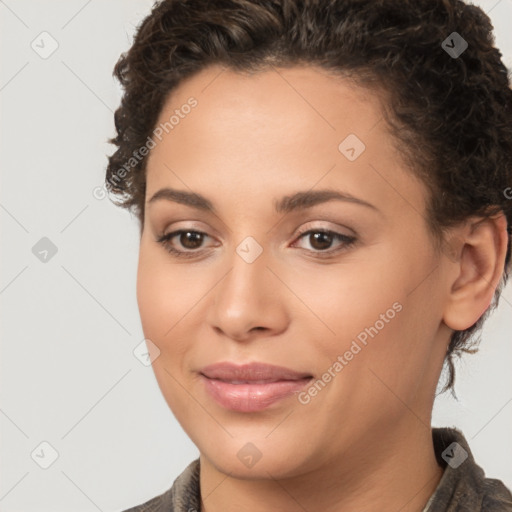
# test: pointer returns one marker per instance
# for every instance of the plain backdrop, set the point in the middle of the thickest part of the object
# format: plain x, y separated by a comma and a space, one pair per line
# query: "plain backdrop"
69, 378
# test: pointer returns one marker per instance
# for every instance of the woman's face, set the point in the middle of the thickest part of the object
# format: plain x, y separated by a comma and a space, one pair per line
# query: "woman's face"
354, 306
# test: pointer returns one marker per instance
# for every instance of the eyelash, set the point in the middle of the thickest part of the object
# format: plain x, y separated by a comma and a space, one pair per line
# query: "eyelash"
349, 241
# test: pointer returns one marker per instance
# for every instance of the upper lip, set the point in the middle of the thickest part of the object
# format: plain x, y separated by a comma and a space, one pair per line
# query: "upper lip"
251, 372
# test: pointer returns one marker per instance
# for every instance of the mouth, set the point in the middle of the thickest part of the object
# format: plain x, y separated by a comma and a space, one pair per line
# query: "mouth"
251, 387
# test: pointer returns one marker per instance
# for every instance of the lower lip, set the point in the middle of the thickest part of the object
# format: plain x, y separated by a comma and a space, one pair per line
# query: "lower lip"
251, 397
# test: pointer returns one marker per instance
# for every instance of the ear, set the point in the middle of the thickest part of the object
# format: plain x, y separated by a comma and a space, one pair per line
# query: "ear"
481, 249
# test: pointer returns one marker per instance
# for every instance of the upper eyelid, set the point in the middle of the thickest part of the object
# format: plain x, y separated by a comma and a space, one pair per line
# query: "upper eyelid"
352, 232
298, 232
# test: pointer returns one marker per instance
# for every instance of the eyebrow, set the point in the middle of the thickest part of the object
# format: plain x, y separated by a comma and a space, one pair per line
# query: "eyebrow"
296, 201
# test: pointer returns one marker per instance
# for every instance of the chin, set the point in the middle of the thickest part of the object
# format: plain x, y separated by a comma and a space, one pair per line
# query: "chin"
259, 460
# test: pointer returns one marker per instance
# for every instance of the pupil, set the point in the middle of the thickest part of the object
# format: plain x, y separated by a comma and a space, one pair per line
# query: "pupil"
325, 237
185, 239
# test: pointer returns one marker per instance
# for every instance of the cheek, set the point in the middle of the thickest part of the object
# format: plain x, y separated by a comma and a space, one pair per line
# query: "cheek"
370, 317
349, 297
163, 299
163, 303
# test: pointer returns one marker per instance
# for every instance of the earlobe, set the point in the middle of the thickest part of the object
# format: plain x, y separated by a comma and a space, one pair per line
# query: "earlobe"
477, 272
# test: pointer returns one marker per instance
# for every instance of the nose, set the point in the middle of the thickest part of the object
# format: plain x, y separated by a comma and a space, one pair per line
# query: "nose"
249, 302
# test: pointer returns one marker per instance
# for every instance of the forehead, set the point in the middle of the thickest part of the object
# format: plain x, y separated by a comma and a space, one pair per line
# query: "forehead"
284, 102
257, 132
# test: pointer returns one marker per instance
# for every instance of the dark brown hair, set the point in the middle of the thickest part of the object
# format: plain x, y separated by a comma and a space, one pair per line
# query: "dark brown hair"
451, 115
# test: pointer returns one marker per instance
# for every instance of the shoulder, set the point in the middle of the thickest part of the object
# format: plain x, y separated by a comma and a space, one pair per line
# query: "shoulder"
160, 503
183, 496
464, 486
496, 497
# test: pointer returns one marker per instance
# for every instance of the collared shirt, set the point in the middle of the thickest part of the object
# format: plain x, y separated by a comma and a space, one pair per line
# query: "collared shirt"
462, 488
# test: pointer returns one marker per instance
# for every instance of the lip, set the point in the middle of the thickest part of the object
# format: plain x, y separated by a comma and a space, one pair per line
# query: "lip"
251, 387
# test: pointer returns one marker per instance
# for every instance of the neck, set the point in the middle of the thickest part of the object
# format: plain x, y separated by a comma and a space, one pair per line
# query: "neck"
395, 472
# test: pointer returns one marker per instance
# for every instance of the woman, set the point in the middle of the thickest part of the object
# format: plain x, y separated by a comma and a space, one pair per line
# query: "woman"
324, 218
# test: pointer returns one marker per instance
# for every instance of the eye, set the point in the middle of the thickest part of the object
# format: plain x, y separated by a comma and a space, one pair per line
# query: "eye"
322, 239
188, 238
191, 240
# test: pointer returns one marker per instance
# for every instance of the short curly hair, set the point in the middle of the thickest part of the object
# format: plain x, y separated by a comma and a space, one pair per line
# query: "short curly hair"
450, 114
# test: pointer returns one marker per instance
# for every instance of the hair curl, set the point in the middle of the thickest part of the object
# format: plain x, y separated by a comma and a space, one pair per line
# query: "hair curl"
451, 117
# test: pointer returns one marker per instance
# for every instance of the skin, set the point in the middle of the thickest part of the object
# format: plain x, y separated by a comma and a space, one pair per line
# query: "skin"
364, 441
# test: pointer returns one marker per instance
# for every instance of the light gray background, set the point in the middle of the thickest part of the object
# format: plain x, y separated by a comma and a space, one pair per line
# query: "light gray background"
69, 326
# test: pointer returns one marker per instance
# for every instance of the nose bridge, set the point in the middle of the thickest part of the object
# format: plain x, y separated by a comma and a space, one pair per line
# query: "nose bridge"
248, 278
245, 298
